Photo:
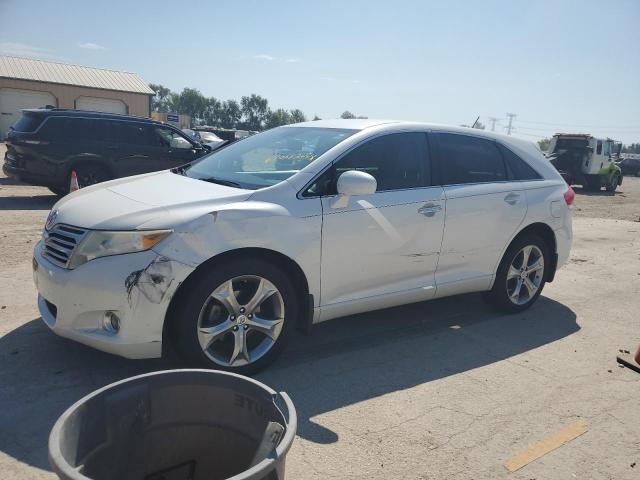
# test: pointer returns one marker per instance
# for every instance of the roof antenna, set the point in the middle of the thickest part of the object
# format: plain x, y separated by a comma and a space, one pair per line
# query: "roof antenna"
474, 123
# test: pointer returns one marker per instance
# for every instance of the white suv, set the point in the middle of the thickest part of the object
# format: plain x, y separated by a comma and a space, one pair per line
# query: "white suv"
223, 258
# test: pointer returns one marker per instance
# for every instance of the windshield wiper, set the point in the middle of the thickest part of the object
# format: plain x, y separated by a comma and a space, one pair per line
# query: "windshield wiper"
220, 181
181, 170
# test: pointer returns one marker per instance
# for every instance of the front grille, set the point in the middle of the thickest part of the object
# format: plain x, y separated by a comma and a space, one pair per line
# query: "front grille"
60, 242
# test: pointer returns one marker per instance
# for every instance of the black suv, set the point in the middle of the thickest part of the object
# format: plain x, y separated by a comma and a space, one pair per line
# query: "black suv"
46, 145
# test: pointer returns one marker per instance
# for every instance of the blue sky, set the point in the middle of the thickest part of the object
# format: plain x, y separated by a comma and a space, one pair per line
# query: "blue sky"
559, 65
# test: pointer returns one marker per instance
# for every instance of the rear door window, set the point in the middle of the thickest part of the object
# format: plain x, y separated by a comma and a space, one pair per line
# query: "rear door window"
599, 147
466, 159
131, 133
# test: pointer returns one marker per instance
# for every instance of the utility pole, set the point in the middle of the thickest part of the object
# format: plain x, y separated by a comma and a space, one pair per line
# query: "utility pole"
493, 121
511, 117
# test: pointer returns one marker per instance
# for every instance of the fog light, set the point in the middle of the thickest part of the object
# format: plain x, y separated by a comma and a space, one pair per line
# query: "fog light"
111, 322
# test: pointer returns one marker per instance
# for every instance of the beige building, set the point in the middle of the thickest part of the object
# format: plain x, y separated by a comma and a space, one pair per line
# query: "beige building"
29, 83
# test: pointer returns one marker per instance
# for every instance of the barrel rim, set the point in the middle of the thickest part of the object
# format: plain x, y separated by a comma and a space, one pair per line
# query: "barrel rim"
61, 466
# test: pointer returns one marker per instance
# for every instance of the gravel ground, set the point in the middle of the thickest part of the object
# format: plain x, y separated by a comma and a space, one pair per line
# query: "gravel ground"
443, 389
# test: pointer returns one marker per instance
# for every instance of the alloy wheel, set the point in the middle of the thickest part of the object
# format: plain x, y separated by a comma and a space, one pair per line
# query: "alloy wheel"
240, 321
525, 274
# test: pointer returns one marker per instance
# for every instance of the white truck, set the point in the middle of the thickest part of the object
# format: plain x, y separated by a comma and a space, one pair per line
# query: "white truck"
586, 160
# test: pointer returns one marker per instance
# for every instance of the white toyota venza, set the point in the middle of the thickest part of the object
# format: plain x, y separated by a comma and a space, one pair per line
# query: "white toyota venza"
223, 258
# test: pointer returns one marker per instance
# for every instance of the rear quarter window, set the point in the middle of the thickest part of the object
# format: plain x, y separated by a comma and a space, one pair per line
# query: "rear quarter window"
520, 169
28, 123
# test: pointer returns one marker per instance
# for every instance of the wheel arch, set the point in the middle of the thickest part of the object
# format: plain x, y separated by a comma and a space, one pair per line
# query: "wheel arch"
546, 233
96, 160
290, 266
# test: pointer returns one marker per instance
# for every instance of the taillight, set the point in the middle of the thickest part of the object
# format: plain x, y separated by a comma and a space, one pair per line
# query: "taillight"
569, 196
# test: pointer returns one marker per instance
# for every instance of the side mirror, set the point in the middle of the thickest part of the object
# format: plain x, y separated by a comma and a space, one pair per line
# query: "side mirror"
354, 182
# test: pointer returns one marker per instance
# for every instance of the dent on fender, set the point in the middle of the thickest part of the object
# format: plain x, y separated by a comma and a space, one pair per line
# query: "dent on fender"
216, 231
154, 281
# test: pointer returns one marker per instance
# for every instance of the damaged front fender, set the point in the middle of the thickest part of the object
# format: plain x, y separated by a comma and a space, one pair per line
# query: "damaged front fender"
153, 281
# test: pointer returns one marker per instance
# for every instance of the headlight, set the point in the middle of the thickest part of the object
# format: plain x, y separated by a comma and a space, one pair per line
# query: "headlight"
103, 244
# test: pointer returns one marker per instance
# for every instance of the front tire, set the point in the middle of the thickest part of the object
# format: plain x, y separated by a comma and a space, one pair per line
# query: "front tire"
613, 185
237, 317
521, 275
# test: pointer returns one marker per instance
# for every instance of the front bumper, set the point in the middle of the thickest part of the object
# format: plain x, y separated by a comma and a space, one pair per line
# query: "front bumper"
73, 303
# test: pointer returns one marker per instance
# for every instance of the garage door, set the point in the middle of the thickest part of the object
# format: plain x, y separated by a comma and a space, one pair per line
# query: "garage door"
96, 104
13, 100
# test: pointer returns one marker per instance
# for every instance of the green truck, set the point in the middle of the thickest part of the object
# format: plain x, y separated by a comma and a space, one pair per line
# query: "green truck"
585, 160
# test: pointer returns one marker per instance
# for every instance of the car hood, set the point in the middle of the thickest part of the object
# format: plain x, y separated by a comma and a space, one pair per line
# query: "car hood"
155, 200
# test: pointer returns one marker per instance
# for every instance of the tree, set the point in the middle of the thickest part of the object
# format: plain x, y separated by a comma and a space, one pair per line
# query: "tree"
347, 114
277, 118
160, 101
255, 110
316, 118
544, 144
230, 114
631, 148
212, 114
297, 116
189, 102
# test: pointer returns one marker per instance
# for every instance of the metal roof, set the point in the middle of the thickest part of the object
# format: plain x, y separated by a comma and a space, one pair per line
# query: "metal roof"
63, 73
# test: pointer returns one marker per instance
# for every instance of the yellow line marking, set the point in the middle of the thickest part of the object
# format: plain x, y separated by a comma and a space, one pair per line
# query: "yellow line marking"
546, 445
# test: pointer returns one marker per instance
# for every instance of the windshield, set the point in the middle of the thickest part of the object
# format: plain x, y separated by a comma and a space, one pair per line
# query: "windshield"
267, 158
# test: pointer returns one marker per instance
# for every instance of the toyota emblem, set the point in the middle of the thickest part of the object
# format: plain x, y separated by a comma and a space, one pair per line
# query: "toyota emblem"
51, 219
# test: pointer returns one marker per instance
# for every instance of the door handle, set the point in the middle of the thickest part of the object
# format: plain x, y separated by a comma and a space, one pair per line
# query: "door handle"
512, 198
429, 209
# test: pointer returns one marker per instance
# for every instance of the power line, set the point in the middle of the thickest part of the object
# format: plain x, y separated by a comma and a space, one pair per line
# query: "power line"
578, 125
532, 135
550, 129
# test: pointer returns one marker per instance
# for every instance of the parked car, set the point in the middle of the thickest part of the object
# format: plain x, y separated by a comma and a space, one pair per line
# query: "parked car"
630, 166
192, 133
223, 258
211, 139
46, 145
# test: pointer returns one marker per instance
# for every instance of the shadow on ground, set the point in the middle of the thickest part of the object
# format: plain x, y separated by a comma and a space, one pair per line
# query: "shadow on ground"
10, 181
597, 193
342, 362
35, 202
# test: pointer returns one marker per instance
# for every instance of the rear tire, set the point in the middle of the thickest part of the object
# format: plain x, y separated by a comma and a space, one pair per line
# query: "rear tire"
520, 279
216, 317
89, 174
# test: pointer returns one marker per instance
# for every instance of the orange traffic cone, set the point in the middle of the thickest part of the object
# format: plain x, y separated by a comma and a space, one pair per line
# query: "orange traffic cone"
73, 185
